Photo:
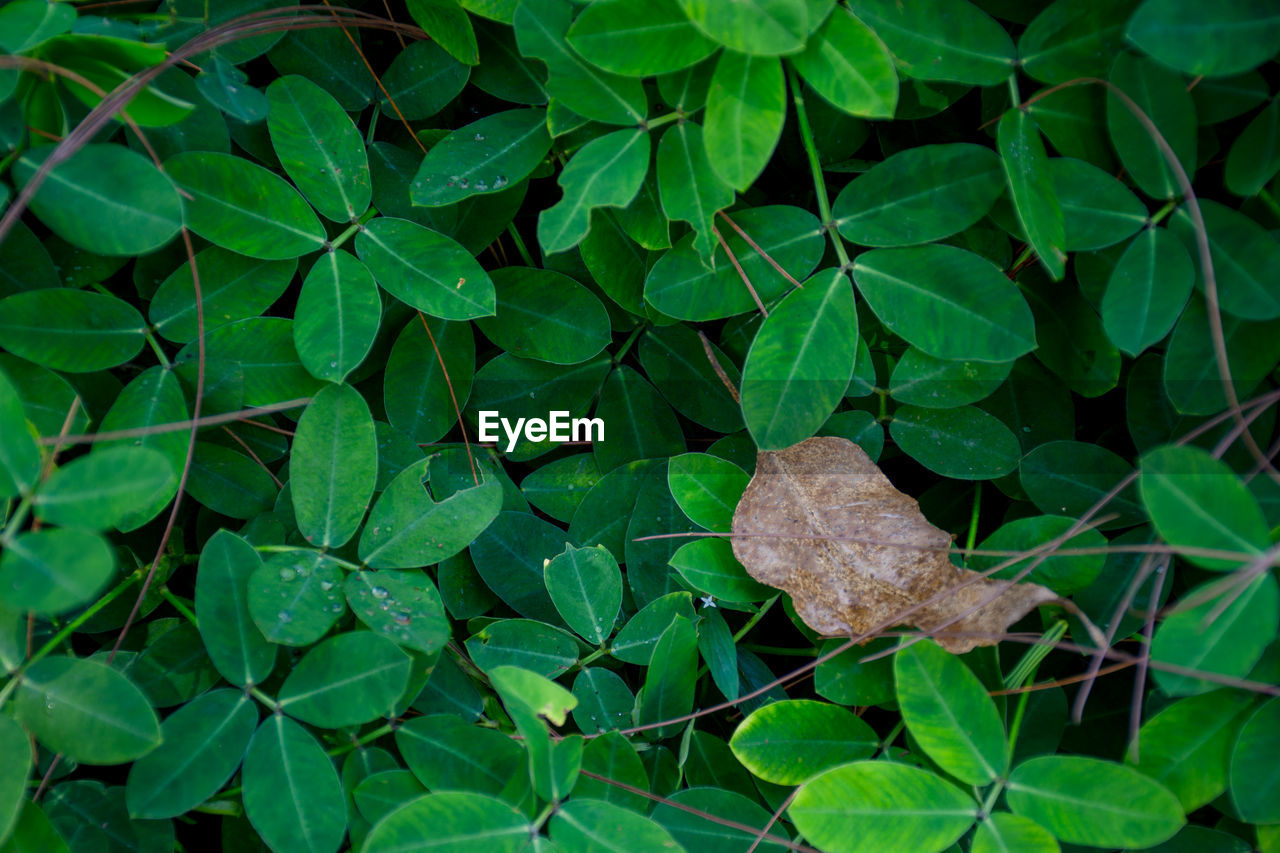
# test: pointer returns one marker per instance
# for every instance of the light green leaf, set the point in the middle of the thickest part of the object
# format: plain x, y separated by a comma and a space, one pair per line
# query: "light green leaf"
486, 156
319, 147
243, 207
949, 302
1010, 833
941, 39
800, 362
847, 64
100, 490
872, 806
760, 27
607, 171
919, 195
790, 741
105, 199
1031, 189
709, 566
333, 466
585, 585
638, 39
452, 821
291, 792
1089, 801
204, 741
447, 24
337, 316
52, 571
86, 710
948, 712
77, 331
232, 287
295, 597
690, 188
707, 488
408, 527
746, 108
234, 643
425, 270
1197, 501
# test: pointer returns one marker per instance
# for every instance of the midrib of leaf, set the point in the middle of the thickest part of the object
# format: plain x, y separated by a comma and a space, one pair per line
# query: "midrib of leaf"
582, 68
330, 686
250, 214
295, 799
1199, 512
452, 292
999, 329
934, 188
318, 136
191, 757
128, 210
959, 731
782, 409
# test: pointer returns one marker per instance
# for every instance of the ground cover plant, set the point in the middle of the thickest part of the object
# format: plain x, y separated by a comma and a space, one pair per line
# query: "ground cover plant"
639, 425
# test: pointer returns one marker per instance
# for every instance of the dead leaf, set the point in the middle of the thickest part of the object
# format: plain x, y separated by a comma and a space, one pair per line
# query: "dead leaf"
829, 487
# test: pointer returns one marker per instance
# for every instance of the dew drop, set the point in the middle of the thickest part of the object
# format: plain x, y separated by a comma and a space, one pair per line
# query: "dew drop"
287, 574
379, 592
284, 616
479, 137
464, 183
336, 607
325, 586
402, 618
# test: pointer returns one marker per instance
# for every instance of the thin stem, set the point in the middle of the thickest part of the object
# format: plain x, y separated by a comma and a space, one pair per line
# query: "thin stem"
1163, 212
369, 737
891, 737
156, 348
663, 119
629, 342
755, 618
16, 521
520, 246
178, 604
815, 166
353, 228
256, 693
972, 538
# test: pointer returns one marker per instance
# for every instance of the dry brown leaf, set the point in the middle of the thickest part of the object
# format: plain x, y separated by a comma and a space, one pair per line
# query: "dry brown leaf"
860, 579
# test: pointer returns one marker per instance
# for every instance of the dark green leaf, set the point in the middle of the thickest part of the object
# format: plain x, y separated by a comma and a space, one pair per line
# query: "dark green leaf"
1209, 40
1162, 95
567, 330
348, 679
1254, 778
1147, 290
52, 571
76, 331
964, 443
337, 316
237, 648
425, 270
941, 39
232, 287
1032, 190
585, 585
291, 792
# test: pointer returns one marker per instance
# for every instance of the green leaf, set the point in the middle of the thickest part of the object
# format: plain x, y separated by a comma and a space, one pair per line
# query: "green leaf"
1244, 620
243, 207
1187, 745
408, 527
607, 171
638, 39
541, 27
709, 566
1254, 158
690, 188
291, 792
1032, 190
105, 199
1068, 477
382, 793
486, 156
1254, 778
788, 742
1162, 95
530, 699
509, 556
680, 285
523, 388
559, 487
257, 361
1005, 833
100, 490
76, 331
1147, 290
871, 806
1068, 40
448, 754
86, 711
404, 606
295, 597
604, 703
950, 715
718, 650
1197, 501
453, 821
800, 362
27, 24
569, 330
746, 108
533, 646
641, 426
919, 195
1097, 210
230, 483
319, 148
585, 585
847, 64
333, 466
1191, 378
922, 380
964, 443
707, 488
203, 742
674, 359
234, 643
52, 571
1208, 40
1242, 252
946, 301
337, 316
447, 24
19, 453
422, 80
670, 679
425, 270
762, 27
346, 680
605, 511
941, 39
417, 397
15, 745
586, 826
232, 287
1094, 802
1063, 574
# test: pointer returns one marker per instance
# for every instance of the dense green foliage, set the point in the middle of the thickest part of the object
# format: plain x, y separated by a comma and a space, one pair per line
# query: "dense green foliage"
263, 267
